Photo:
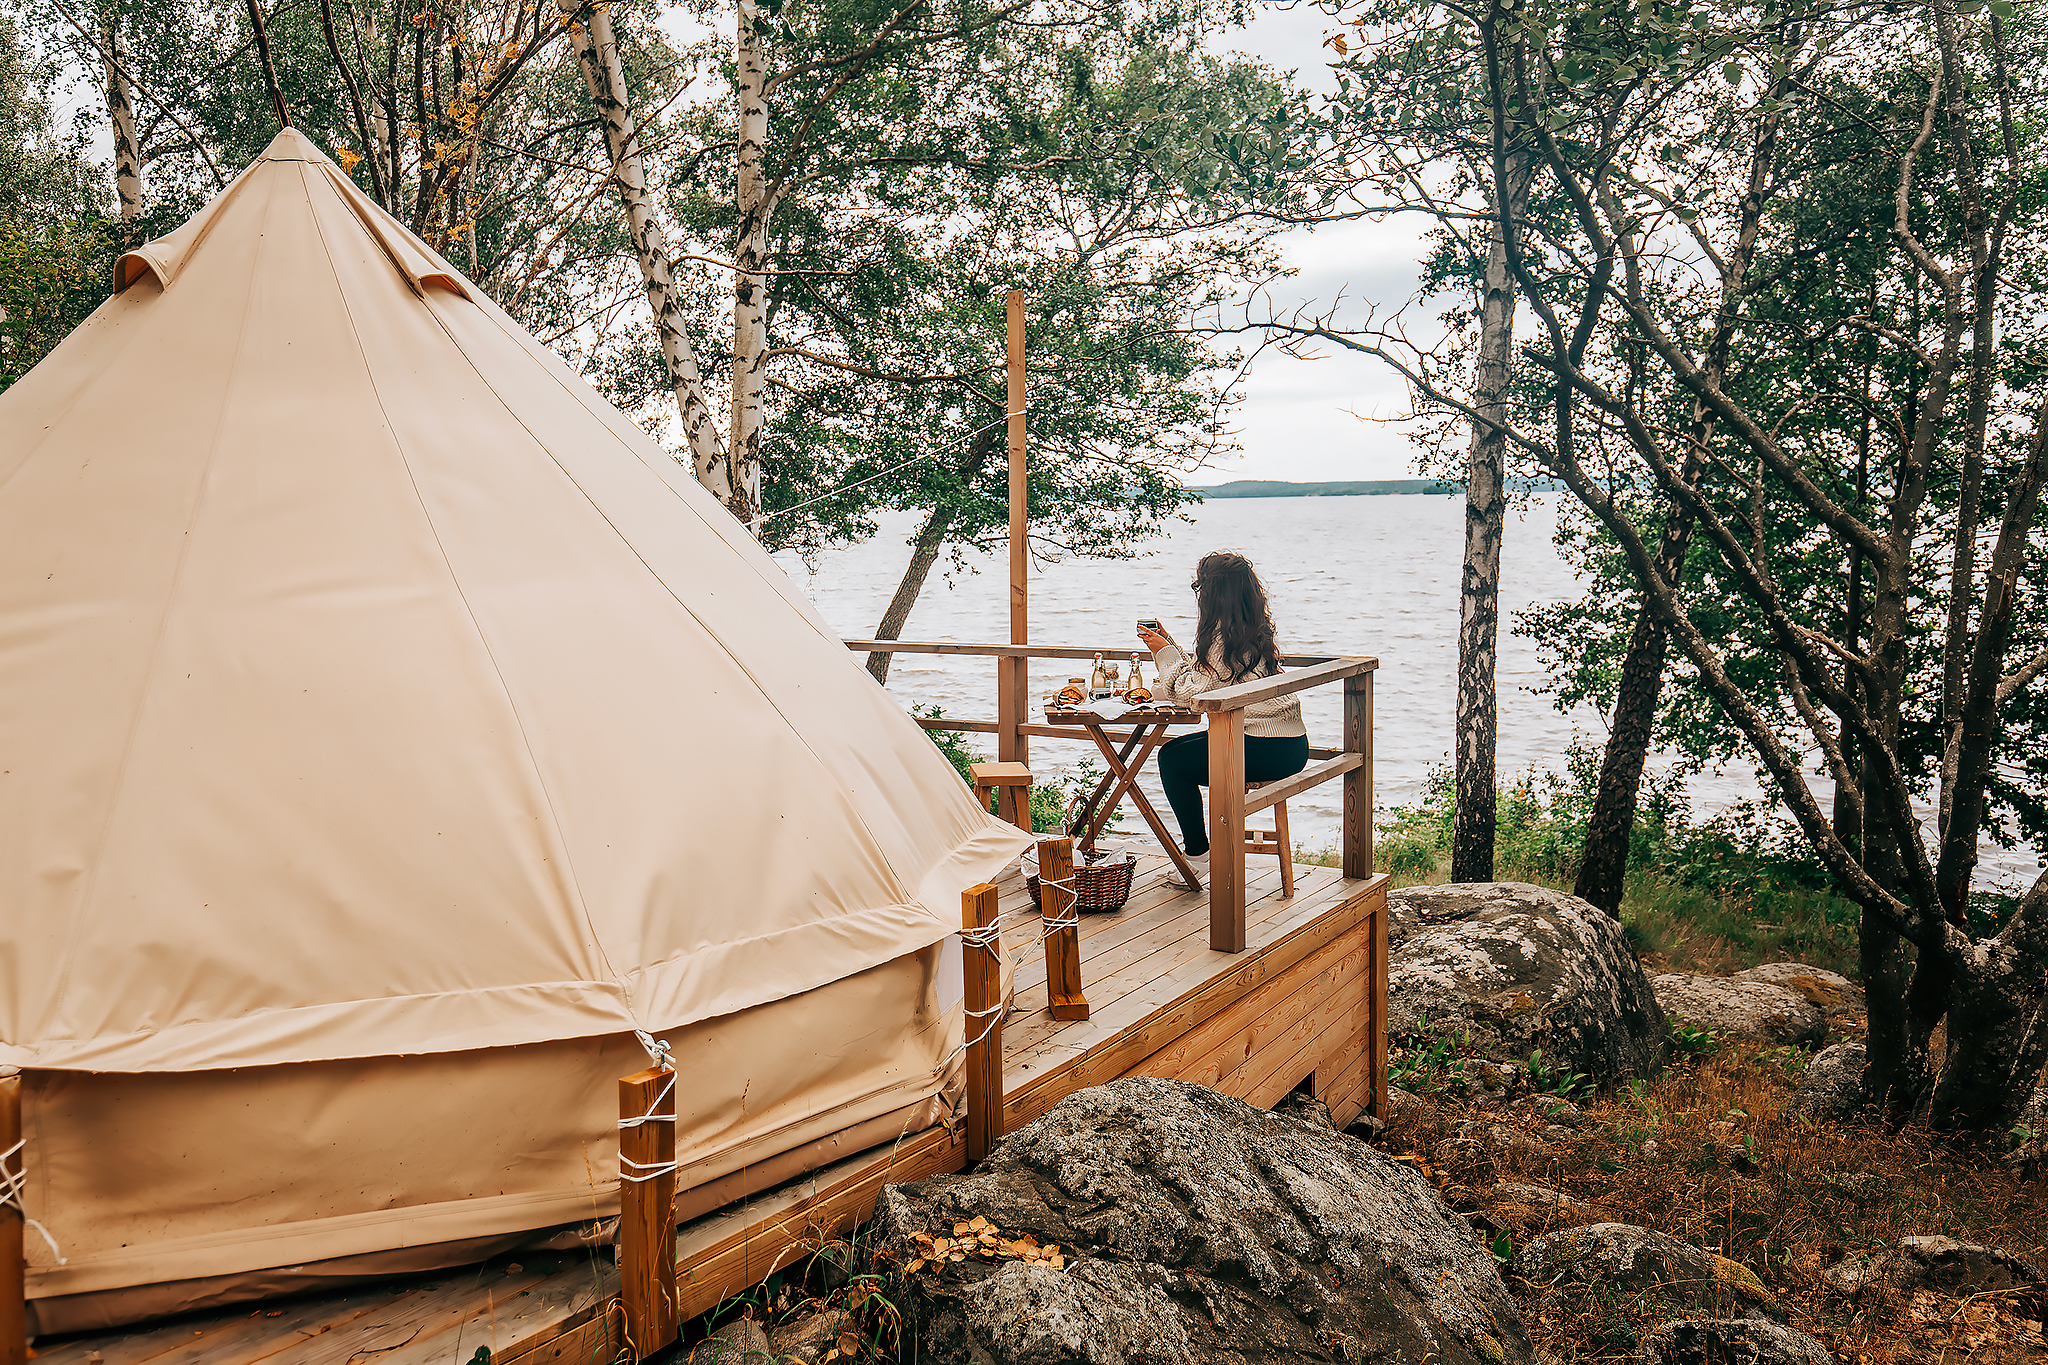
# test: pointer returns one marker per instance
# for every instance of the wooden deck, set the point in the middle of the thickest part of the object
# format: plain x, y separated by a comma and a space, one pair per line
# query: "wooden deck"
1297, 1005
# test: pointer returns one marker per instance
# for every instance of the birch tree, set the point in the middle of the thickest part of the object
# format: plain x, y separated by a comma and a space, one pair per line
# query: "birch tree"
597, 53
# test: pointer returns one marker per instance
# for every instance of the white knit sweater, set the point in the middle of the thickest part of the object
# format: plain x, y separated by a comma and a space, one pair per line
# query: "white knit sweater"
1182, 680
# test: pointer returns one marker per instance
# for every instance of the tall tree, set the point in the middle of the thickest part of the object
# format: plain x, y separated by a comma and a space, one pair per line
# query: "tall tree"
1645, 125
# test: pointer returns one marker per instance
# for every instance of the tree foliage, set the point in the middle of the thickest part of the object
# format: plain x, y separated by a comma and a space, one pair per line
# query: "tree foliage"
1782, 262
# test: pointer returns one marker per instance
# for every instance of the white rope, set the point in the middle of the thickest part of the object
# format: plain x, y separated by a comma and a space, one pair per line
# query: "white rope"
755, 524
658, 1051
14, 1193
989, 939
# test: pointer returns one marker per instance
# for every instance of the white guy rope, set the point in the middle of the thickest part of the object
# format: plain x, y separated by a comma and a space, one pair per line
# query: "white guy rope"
755, 524
989, 939
658, 1050
14, 1193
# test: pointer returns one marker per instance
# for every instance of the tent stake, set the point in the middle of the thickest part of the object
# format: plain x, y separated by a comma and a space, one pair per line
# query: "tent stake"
983, 971
647, 1224
1062, 946
13, 1269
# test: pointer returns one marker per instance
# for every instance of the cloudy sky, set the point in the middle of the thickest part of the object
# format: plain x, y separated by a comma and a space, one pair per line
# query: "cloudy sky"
1298, 418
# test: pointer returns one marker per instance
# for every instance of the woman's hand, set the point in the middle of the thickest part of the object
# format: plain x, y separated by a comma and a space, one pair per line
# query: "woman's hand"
1154, 640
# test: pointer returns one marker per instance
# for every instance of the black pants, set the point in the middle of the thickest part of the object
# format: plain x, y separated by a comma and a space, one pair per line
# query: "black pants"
1184, 771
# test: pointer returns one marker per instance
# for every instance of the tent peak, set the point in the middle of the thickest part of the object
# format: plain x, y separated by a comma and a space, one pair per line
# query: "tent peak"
292, 145
164, 257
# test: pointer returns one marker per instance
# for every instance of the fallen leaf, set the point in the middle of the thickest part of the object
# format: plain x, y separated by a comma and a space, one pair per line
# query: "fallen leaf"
914, 1266
848, 1343
961, 1229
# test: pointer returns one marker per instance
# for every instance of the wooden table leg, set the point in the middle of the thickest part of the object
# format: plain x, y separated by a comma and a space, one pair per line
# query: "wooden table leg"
1085, 817
1144, 805
1126, 775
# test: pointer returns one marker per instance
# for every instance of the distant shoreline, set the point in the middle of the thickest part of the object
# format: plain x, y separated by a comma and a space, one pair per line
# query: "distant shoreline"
1362, 488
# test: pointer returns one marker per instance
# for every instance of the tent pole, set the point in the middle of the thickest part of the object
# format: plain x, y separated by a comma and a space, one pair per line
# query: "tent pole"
647, 1223
13, 1269
1013, 676
983, 988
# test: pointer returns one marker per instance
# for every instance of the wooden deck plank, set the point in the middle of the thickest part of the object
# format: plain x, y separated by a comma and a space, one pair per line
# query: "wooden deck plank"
1139, 1024
1212, 1052
1169, 947
1147, 910
1151, 950
232, 1337
1150, 974
1285, 1062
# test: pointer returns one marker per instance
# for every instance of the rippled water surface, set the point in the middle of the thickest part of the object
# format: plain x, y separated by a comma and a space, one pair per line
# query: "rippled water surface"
1365, 575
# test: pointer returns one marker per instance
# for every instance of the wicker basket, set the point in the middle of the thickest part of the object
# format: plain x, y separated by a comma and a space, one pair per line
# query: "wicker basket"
1100, 887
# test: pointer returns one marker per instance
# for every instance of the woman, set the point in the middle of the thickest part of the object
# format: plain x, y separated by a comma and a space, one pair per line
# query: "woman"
1233, 644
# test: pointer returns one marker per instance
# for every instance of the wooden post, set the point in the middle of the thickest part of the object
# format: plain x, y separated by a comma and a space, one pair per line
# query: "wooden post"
1013, 676
1376, 1013
1062, 946
647, 1223
1226, 831
983, 970
1358, 796
13, 1269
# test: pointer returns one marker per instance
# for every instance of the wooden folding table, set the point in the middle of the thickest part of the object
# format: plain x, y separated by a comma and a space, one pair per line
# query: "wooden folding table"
1149, 726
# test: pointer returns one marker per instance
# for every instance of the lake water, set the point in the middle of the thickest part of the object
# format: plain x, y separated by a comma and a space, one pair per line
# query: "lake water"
1359, 575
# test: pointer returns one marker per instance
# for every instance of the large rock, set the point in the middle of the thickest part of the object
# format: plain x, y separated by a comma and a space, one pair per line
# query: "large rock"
1602, 1257
1835, 994
1938, 1263
1755, 1011
1751, 1341
1190, 1227
1523, 967
1832, 1089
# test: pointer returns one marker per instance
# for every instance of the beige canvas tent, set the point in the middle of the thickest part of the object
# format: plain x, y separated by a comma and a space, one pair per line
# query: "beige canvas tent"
387, 730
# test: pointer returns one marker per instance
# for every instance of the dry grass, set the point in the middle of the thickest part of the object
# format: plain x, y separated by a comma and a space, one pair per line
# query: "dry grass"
1708, 1154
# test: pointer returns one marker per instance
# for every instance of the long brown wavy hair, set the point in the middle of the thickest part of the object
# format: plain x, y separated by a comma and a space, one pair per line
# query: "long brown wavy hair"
1232, 609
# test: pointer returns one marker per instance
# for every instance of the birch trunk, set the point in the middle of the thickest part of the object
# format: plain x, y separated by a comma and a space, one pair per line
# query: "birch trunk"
750, 259
924, 551
597, 52
382, 115
127, 149
1486, 510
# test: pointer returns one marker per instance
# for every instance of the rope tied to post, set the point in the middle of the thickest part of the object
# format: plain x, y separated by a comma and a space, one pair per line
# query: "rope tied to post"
14, 1193
658, 1053
989, 939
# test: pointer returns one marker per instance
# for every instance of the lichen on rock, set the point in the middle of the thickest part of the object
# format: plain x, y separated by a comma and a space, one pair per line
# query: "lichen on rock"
1196, 1229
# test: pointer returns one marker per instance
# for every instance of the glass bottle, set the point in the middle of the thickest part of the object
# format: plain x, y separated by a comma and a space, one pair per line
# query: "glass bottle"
1097, 687
1135, 690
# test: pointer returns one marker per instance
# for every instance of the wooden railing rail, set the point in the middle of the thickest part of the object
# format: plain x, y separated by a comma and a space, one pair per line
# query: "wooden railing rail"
1314, 775
1229, 803
1243, 694
1048, 651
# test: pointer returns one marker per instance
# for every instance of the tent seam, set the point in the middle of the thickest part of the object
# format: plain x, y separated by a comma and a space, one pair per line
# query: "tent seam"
874, 842
483, 638
114, 802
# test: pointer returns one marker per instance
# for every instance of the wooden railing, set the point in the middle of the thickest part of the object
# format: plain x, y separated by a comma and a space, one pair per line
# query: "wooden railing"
1229, 803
